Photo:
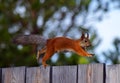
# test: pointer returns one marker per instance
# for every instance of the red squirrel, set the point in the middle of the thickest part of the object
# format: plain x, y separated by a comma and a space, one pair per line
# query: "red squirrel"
57, 44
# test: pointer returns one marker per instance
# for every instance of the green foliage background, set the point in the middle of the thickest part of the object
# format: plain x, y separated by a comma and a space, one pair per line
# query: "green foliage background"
51, 18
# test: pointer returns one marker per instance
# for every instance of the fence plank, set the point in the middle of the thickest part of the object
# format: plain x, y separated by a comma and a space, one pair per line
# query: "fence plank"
0, 75
64, 74
113, 74
92, 73
13, 75
38, 75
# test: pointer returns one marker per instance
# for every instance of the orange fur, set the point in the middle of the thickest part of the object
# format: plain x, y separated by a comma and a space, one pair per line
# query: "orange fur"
65, 44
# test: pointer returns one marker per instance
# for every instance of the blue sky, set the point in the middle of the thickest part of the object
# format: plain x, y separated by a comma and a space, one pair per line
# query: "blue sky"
108, 29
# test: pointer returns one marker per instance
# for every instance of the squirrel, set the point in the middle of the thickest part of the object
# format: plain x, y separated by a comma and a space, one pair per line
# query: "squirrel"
53, 45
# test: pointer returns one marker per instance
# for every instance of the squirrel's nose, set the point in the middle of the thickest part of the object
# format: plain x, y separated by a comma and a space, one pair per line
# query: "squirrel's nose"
90, 45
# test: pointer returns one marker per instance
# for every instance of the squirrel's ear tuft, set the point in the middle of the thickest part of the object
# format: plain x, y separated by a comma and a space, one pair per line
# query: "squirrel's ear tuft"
82, 36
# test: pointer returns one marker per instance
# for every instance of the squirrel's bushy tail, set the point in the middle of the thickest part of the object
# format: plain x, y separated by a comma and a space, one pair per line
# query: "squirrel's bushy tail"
29, 40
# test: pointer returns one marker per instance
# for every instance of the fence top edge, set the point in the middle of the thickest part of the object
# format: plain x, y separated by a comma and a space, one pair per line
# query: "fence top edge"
57, 66
13, 67
113, 65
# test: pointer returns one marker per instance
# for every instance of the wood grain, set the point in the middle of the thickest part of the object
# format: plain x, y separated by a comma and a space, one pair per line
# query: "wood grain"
13, 75
64, 74
113, 74
0, 75
92, 73
38, 75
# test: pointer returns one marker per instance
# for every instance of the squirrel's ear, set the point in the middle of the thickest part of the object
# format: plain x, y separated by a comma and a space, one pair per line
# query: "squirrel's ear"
83, 35
87, 35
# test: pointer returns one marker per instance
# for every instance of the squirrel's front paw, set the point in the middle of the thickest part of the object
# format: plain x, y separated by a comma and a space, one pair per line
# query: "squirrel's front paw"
44, 64
90, 55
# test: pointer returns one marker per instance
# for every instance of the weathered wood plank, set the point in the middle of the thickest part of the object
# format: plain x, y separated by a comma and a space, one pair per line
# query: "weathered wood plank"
38, 75
64, 74
13, 75
92, 73
0, 75
113, 74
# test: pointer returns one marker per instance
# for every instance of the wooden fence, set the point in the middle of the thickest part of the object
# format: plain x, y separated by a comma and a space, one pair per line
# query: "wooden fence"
91, 73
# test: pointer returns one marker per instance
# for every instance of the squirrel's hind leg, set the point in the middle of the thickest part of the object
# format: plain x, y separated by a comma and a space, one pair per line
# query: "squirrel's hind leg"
47, 56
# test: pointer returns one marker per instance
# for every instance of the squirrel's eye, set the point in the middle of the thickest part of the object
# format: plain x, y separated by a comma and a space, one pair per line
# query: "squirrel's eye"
85, 40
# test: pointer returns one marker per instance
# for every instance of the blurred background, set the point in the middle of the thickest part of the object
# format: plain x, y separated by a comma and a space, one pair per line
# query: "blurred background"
52, 18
